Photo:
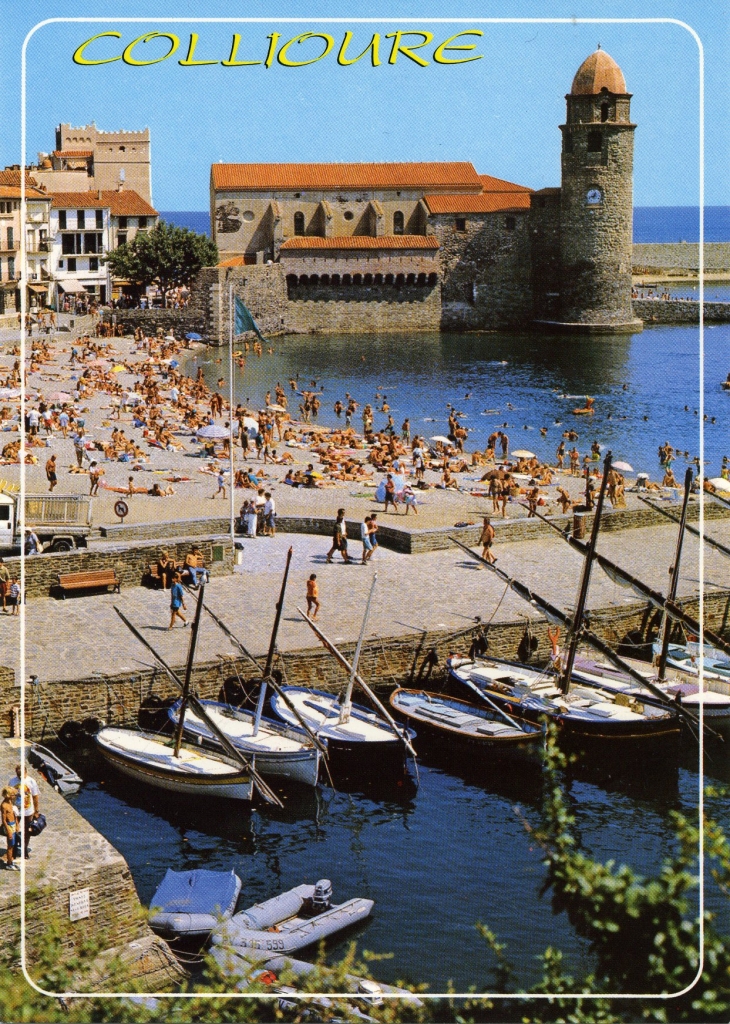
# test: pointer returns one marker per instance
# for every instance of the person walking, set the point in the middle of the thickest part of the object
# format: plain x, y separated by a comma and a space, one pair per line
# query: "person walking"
4, 584
486, 540
390, 495
367, 546
51, 475
312, 596
10, 826
177, 601
28, 803
339, 537
94, 478
269, 516
221, 480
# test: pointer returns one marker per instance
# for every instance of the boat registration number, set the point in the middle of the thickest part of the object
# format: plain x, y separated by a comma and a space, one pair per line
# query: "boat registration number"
270, 944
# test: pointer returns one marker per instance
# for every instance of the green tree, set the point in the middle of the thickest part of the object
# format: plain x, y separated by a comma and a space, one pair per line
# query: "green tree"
167, 256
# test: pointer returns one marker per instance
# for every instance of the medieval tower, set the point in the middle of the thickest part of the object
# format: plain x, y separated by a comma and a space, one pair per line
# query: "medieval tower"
596, 201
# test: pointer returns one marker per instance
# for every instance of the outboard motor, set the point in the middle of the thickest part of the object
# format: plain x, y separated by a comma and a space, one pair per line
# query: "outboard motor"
322, 899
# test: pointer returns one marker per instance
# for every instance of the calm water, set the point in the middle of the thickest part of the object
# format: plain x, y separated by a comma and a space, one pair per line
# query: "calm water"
641, 385
436, 859
651, 223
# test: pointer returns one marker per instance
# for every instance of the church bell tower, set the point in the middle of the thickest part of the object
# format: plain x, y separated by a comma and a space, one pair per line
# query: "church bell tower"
596, 201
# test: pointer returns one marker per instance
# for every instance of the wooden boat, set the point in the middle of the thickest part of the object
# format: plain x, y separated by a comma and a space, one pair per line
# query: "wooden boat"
362, 733
149, 758
278, 748
595, 720
190, 904
457, 725
293, 920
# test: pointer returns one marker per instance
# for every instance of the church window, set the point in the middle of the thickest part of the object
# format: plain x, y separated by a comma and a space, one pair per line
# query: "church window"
398, 222
595, 142
299, 223
510, 223
568, 143
348, 215
460, 224
604, 111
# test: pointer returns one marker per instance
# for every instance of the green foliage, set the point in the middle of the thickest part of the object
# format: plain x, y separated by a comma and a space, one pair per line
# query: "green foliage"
166, 256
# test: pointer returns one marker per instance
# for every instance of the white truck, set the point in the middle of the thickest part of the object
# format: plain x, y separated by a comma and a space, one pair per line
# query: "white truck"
60, 521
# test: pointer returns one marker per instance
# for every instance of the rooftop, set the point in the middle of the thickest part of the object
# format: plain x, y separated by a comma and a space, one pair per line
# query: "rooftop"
597, 72
488, 202
427, 176
121, 204
73, 152
362, 242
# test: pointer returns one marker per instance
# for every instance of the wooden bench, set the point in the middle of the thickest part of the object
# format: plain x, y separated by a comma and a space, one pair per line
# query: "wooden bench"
90, 580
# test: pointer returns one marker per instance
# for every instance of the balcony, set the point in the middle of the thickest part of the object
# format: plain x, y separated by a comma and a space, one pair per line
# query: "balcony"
38, 247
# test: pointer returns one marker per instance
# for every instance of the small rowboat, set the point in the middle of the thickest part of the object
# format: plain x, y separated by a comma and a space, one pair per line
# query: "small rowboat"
456, 724
279, 749
192, 903
300, 917
151, 759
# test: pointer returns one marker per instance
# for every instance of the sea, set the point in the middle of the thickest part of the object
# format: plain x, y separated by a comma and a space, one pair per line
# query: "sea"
450, 848
651, 223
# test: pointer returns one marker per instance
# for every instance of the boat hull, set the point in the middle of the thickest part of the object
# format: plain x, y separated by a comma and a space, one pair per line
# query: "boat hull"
150, 762
297, 765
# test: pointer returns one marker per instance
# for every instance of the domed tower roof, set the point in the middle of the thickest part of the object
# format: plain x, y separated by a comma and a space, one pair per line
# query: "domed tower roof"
599, 71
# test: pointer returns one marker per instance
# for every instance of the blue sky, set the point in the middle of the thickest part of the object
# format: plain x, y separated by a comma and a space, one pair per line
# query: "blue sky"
501, 112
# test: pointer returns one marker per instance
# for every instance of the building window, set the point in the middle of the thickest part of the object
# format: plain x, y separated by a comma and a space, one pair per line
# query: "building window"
299, 223
91, 242
122, 238
62, 220
80, 219
398, 222
510, 223
11, 268
60, 264
460, 224
72, 265
122, 222
595, 142
604, 111
93, 263
142, 222
568, 143
11, 240
348, 215
67, 244
100, 219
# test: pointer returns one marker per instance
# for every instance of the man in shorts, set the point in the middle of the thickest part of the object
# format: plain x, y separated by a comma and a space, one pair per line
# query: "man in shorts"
367, 546
339, 537
486, 540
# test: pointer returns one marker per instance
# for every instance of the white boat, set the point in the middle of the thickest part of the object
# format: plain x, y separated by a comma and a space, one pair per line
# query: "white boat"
151, 759
190, 904
300, 917
278, 749
359, 732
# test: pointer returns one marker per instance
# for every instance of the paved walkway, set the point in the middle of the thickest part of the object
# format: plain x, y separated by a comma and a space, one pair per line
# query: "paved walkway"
440, 590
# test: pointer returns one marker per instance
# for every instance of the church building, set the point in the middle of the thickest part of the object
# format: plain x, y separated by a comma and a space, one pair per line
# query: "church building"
438, 246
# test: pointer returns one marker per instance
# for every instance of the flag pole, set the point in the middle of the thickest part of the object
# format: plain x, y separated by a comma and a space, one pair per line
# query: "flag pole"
230, 416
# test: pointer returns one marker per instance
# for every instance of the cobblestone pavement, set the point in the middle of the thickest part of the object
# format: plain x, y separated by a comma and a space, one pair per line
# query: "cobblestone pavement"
443, 589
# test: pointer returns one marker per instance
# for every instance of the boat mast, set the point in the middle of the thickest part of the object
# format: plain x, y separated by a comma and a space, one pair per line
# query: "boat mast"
674, 580
577, 624
347, 703
272, 648
189, 670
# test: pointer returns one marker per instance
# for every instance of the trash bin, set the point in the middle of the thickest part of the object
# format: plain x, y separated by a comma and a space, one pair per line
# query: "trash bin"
579, 522
238, 546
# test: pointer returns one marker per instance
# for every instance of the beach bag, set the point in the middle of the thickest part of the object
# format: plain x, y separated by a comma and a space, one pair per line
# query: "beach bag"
37, 825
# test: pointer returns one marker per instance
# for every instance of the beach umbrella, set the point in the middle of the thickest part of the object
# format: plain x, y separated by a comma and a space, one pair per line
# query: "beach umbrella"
399, 483
192, 336
275, 408
59, 396
623, 467
441, 438
118, 368
522, 453
251, 424
720, 483
212, 430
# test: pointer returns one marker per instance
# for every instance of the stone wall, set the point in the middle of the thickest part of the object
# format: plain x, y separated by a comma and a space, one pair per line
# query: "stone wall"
180, 321
681, 257
386, 661
485, 270
675, 311
130, 562
70, 856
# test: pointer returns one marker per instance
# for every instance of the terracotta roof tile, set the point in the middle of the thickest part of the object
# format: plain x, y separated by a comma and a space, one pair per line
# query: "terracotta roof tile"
122, 204
485, 203
355, 176
599, 71
11, 176
234, 261
490, 184
13, 192
362, 242
73, 152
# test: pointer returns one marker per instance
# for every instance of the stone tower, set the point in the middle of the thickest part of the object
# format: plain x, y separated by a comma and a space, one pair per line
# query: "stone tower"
596, 201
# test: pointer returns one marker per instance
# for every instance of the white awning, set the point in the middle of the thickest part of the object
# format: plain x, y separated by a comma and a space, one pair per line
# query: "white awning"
71, 286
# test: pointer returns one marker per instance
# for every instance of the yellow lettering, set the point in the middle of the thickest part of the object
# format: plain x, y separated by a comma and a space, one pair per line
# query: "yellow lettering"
189, 62
78, 57
372, 45
129, 59
283, 59
274, 37
232, 62
438, 55
407, 51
